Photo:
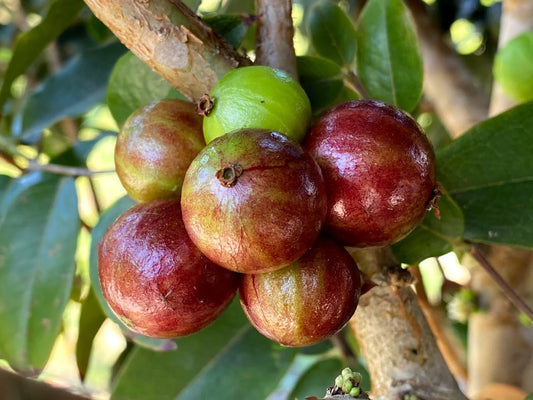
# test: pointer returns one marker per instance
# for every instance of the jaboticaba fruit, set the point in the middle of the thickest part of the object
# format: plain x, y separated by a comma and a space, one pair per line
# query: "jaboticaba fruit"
155, 147
155, 279
306, 302
379, 169
253, 201
257, 97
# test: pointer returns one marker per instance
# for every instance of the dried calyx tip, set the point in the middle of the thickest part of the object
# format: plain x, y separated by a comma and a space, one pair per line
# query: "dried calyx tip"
204, 105
229, 175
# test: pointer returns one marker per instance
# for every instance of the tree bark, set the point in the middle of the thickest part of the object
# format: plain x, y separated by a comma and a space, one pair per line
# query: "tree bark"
172, 40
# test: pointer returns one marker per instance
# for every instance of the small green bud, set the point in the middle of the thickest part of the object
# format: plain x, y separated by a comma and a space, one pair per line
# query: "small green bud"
339, 381
357, 377
355, 392
346, 372
347, 386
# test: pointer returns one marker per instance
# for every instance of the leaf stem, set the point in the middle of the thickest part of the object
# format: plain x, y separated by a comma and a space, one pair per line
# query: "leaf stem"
353, 82
511, 294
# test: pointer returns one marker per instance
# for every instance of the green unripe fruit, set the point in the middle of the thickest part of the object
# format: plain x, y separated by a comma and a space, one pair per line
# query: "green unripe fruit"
257, 97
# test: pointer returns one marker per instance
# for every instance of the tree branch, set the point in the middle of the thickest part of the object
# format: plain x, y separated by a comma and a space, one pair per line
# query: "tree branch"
172, 40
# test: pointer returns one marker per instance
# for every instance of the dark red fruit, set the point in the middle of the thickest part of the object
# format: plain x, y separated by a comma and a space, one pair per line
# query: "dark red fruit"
155, 147
154, 278
306, 302
253, 201
379, 169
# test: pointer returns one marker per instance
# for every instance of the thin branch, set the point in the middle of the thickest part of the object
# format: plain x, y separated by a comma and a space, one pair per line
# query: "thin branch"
353, 82
511, 294
64, 170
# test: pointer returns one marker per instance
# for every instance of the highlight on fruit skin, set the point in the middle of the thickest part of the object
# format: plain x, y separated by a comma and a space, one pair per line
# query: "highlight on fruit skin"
154, 278
307, 301
253, 201
155, 146
379, 169
256, 96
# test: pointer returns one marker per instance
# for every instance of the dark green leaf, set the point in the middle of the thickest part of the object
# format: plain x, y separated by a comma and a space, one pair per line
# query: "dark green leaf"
36, 269
389, 62
228, 360
106, 219
72, 91
15, 187
489, 173
91, 318
513, 67
321, 80
232, 27
30, 44
433, 237
317, 379
332, 33
133, 84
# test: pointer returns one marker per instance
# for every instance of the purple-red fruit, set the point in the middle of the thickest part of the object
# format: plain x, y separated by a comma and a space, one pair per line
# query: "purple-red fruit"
155, 279
307, 301
379, 169
253, 201
155, 147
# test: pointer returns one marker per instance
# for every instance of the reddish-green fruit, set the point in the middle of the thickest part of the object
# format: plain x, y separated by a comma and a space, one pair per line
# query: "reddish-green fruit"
306, 302
258, 97
155, 279
379, 169
155, 147
253, 201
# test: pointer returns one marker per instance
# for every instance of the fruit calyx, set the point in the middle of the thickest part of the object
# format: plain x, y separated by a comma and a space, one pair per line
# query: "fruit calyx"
229, 175
204, 105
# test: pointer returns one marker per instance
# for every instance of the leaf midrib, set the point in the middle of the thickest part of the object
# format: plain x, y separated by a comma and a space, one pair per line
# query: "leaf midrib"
490, 185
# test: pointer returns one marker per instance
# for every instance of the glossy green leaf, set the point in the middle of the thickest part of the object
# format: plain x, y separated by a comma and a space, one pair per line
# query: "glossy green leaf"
489, 173
389, 61
513, 67
133, 84
38, 238
434, 236
91, 318
72, 91
332, 33
317, 379
30, 44
106, 219
228, 360
321, 80
232, 27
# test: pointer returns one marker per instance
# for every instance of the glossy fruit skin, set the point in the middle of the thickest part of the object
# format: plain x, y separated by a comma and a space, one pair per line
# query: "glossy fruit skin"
258, 97
155, 146
154, 278
268, 216
379, 169
306, 302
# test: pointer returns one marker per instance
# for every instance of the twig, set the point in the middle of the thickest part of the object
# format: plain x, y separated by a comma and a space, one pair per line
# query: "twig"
64, 170
353, 82
511, 294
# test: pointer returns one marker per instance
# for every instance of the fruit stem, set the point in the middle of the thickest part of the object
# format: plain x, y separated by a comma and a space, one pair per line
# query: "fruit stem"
229, 175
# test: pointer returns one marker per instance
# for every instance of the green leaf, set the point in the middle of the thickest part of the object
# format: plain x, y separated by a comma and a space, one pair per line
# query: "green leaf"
133, 84
36, 269
106, 219
529, 397
30, 44
321, 80
513, 67
433, 237
232, 27
227, 360
91, 318
332, 33
72, 91
389, 61
489, 173
317, 379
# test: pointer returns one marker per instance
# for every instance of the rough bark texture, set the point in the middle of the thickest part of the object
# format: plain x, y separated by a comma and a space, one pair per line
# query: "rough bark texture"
274, 46
172, 40
399, 347
448, 84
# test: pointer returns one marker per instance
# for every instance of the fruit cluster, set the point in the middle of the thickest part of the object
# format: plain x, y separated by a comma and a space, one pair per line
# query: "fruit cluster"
243, 194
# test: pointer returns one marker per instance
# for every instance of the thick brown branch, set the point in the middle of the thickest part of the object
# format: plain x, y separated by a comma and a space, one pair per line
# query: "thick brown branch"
275, 32
172, 40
